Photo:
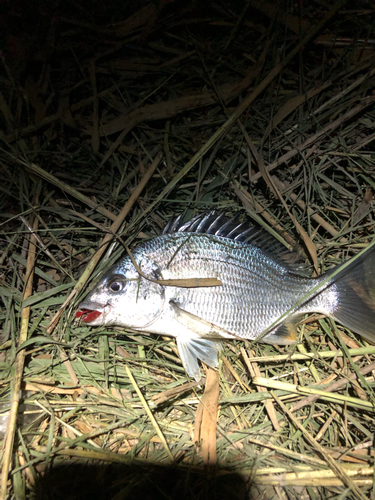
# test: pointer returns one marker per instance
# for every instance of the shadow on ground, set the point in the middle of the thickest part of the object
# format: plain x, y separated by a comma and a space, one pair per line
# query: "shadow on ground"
81, 482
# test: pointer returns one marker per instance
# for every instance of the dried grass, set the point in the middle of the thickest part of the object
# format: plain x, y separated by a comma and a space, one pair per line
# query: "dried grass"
116, 118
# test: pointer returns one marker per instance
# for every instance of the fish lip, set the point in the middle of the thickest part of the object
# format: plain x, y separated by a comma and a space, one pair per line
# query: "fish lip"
94, 306
89, 312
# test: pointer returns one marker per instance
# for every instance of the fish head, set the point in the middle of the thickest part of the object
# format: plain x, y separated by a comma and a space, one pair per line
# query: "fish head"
124, 298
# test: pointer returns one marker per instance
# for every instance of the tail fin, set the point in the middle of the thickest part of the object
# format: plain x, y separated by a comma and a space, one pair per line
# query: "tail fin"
356, 295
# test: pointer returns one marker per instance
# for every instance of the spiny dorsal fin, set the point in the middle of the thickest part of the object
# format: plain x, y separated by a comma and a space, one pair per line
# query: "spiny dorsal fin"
218, 224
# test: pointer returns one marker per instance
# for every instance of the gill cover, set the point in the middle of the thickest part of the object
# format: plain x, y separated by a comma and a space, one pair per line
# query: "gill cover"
125, 298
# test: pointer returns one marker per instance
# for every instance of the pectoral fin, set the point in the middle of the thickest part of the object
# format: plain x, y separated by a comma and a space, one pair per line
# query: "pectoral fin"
200, 326
194, 341
193, 348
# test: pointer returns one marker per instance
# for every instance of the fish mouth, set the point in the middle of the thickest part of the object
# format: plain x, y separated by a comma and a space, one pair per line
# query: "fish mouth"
90, 310
88, 315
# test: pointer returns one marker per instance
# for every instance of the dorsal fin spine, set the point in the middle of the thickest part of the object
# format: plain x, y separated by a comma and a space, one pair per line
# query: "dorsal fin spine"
217, 224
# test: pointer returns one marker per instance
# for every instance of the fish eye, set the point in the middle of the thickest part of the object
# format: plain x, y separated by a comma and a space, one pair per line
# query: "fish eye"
116, 285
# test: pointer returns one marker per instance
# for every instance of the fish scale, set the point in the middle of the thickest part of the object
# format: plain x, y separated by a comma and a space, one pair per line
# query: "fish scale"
258, 289
234, 306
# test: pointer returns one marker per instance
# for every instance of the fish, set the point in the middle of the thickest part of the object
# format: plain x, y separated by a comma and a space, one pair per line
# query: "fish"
262, 296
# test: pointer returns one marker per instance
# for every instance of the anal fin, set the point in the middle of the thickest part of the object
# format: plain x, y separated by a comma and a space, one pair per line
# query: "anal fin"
285, 334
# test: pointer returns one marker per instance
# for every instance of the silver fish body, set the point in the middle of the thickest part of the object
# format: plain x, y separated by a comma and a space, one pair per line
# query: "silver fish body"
257, 289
